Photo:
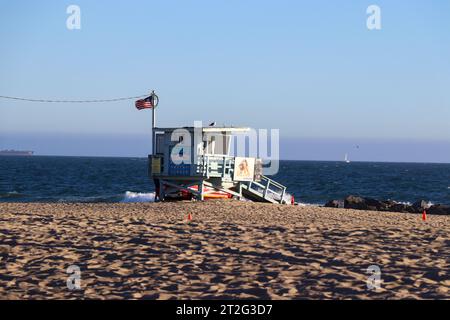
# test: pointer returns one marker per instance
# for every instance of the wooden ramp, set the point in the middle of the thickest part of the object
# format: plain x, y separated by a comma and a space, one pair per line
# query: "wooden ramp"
265, 190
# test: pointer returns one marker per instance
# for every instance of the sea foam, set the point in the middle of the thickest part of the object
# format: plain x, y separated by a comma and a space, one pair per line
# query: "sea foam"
138, 197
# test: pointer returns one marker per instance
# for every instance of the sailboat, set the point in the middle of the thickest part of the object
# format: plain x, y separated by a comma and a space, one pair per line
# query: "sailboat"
346, 158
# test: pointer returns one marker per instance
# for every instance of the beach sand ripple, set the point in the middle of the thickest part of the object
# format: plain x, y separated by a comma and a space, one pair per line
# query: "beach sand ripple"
229, 250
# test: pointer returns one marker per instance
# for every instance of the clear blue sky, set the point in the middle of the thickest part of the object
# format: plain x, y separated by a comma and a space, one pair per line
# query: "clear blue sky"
310, 68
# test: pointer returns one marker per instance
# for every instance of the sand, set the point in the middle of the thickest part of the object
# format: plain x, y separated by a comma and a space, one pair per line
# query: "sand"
229, 250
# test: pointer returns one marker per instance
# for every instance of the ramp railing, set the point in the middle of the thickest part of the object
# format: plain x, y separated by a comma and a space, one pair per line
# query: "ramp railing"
268, 189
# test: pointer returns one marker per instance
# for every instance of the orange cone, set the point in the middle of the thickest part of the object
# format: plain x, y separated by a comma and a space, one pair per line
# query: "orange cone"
424, 215
189, 217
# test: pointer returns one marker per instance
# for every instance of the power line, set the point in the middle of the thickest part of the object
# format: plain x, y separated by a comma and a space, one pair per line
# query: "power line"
73, 101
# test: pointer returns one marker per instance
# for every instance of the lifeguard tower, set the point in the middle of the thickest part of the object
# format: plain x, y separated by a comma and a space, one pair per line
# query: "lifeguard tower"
196, 162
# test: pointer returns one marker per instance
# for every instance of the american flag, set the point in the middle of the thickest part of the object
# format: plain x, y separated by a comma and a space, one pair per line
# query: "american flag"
146, 103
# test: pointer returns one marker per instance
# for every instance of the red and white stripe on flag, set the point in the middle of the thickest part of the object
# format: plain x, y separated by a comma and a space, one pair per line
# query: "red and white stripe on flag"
144, 104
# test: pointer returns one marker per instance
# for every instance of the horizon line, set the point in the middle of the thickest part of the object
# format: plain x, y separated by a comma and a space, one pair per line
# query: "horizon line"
299, 160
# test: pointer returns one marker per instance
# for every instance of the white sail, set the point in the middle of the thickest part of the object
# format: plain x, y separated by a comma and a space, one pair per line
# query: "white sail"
346, 158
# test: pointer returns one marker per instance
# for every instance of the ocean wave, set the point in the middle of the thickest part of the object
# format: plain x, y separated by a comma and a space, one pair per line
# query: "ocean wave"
128, 197
88, 199
12, 194
302, 204
138, 197
407, 203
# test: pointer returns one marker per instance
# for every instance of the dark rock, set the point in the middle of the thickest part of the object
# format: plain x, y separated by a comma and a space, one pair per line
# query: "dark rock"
402, 207
359, 203
335, 204
388, 204
439, 209
373, 204
354, 202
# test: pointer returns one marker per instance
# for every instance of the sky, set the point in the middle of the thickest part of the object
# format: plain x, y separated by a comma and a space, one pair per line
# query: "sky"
311, 69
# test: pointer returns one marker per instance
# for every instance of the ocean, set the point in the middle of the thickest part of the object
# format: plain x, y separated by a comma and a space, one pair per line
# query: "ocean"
91, 179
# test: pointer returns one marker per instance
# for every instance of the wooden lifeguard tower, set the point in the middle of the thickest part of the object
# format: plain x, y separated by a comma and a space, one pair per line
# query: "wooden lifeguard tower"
195, 162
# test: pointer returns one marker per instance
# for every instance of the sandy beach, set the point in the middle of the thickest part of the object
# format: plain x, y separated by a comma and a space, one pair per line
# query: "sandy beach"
228, 250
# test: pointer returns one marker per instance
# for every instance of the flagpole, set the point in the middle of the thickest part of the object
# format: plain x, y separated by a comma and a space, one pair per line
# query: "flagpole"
153, 122
153, 110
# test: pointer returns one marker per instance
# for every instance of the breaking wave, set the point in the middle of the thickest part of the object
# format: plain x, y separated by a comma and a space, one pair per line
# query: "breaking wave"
138, 197
302, 204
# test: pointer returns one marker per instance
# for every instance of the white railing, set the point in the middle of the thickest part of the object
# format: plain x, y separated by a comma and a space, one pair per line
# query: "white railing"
268, 189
